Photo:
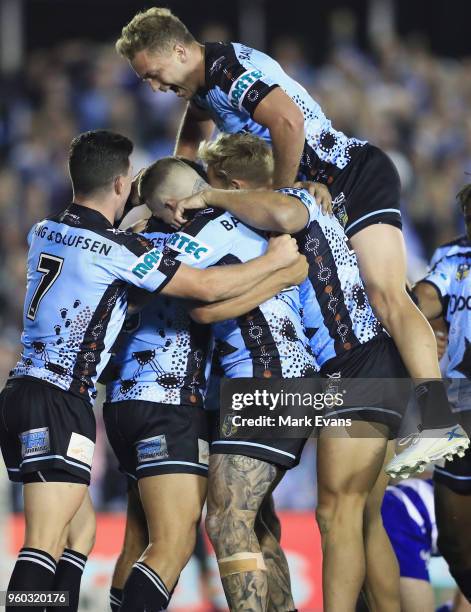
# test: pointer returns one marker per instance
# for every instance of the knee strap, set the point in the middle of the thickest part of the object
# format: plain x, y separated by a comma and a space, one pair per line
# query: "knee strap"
241, 562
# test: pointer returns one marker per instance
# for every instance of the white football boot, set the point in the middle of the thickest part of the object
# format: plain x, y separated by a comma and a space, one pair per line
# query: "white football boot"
428, 446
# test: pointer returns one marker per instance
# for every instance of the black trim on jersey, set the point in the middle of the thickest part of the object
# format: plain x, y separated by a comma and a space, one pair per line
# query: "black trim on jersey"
228, 70
465, 255
256, 318
256, 94
315, 234
157, 225
81, 217
199, 222
93, 341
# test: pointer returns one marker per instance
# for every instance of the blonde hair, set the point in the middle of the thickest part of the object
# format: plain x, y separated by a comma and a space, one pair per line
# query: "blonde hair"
239, 156
464, 196
156, 29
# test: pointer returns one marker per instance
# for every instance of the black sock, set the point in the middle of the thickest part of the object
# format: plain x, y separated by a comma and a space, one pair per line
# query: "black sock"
463, 580
34, 571
116, 598
144, 591
434, 406
68, 576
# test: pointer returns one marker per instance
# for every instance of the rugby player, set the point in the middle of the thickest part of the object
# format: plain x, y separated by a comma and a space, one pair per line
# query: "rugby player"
268, 341
240, 89
446, 291
347, 341
409, 518
78, 271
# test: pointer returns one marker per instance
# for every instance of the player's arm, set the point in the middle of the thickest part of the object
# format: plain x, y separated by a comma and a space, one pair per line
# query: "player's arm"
223, 282
269, 287
196, 126
266, 210
285, 122
429, 299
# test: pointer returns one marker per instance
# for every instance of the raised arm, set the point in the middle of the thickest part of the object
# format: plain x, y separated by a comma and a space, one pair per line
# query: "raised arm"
223, 282
430, 302
285, 121
196, 125
269, 287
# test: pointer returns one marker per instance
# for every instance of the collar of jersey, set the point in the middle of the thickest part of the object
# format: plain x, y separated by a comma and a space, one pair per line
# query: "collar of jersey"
209, 49
89, 215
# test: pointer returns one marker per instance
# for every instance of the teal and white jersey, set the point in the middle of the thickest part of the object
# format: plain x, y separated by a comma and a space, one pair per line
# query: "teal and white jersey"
238, 78
267, 342
162, 355
450, 275
78, 271
336, 311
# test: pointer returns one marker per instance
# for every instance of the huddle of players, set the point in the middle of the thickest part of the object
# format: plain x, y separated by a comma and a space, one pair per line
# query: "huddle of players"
154, 414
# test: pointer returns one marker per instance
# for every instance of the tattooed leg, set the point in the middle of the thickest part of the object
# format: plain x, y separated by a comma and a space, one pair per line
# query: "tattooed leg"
237, 488
268, 530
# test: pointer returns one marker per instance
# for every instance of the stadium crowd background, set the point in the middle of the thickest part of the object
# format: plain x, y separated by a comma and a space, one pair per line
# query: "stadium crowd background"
394, 92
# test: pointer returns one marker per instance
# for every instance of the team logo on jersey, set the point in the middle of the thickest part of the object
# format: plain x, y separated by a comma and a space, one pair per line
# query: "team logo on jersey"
151, 449
186, 244
216, 65
147, 262
462, 271
241, 85
34, 442
339, 209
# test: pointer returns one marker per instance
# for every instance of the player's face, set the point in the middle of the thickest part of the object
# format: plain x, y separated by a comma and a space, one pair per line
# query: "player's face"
215, 180
467, 219
166, 71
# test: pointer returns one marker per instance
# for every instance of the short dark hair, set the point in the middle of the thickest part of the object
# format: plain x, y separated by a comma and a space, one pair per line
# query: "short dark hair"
96, 158
464, 196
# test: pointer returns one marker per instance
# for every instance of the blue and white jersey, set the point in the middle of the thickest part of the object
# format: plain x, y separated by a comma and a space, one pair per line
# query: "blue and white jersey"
450, 275
336, 311
237, 80
162, 355
267, 342
78, 271
416, 496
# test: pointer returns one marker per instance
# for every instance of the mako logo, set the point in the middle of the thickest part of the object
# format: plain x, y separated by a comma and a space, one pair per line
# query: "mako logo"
240, 87
184, 243
147, 262
458, 303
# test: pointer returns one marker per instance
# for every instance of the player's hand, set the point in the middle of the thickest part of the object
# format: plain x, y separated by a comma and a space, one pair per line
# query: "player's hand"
196, 201
442, 342
296, 273
284, 250
321, 194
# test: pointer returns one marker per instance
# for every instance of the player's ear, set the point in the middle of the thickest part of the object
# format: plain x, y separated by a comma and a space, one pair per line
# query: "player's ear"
180, 52
119, 185
235, 184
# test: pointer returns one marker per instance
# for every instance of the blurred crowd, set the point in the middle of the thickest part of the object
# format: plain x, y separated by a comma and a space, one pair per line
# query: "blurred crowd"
400, 97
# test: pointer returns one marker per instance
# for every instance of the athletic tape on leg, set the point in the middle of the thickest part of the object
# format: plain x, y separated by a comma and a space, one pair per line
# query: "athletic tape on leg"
241, 562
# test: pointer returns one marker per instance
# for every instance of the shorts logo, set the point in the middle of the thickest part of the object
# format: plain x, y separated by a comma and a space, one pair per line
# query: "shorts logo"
203, 451
339, 208
228, 429
35, 442
81, 448
147, 262
151, 448
241, 85
186, 244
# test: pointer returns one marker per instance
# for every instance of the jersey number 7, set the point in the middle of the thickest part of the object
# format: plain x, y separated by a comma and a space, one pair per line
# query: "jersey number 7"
50, 266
